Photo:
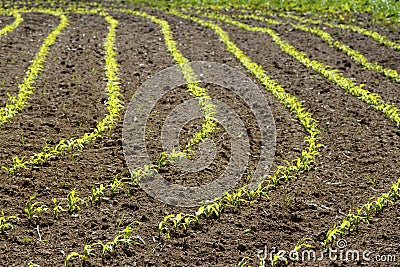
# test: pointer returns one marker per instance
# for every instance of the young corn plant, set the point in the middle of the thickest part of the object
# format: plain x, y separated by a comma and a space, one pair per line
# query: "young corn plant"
34, 210
73, 201
175, 156
17, 163
97, 194
57, 208
87, 251
116, 185
4, 222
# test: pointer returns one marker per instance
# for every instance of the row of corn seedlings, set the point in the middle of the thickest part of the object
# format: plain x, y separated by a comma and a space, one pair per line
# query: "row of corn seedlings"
35, 211
352, 220
16, 103
113, 104
384, 40
73, 202
124, 237
209, 124
373, 99
283, 173
201, 94
327, 38
363, 213
10, 27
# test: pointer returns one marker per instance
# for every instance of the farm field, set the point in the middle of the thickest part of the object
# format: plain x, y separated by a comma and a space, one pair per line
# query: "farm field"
73, 193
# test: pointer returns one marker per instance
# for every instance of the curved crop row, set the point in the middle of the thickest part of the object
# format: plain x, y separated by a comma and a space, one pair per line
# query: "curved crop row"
9, 28
372, 34
124, 237
16, 103
112, 69
207, 108
362, 214
333, 75
72, 202
283, 173
327, 38
113, 104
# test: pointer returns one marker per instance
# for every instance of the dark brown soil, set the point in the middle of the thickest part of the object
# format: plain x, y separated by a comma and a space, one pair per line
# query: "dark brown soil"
6, 20
19, 47
358, 160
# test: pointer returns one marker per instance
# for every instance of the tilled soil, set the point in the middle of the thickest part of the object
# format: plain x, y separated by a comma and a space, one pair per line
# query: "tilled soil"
358, 160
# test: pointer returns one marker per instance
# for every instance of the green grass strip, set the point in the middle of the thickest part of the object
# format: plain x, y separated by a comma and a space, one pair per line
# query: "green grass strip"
113, 104
372, 34
9, 28
16, 103
283, 173
333, 75
327, 38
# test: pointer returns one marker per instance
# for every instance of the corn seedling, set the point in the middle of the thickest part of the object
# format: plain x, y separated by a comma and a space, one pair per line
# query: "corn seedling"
372, 180
174, 156
34, 210
4, 222
17, 163
73, 202
57, 208
87, 251
287, 199
116, 185
97, 194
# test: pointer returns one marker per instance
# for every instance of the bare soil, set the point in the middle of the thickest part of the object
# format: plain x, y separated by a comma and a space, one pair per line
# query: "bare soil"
359, 158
